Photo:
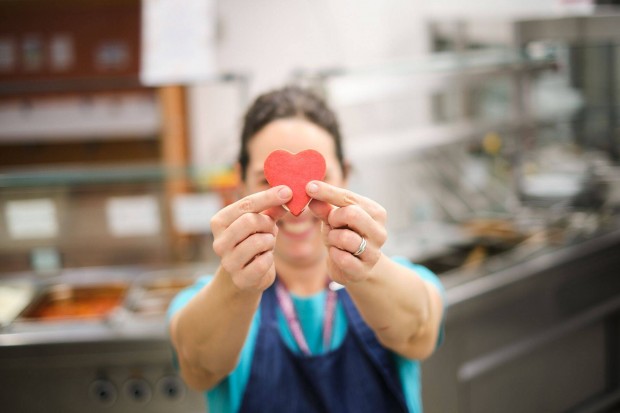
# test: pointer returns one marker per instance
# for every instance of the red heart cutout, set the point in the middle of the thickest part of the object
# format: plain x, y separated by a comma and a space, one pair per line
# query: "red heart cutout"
295, 171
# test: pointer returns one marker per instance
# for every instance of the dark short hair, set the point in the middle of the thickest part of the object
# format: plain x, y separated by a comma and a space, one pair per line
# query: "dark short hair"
288, 102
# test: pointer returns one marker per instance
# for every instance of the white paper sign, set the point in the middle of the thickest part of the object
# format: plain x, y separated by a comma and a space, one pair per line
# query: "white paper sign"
33, 218
62, 54
133, 216
178, 41
192, 213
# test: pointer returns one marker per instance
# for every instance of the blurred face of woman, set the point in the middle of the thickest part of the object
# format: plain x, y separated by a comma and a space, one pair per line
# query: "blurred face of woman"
299, 239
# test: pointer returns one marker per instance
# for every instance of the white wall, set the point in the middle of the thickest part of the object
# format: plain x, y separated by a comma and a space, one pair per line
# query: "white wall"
269, 39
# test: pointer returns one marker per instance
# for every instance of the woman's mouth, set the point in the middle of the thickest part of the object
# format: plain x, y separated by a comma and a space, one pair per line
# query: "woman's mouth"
297, 229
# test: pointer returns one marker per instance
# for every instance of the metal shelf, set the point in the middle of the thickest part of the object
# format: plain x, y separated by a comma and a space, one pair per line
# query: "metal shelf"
471, 62
98, 175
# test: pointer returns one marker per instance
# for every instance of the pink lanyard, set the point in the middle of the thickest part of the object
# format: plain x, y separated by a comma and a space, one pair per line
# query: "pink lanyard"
286, 304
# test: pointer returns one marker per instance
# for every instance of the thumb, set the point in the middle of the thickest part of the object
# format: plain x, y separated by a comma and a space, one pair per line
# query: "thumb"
320, 209
275, 212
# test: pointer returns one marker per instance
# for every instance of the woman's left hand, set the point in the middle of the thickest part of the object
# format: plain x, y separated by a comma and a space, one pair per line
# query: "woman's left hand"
354, 219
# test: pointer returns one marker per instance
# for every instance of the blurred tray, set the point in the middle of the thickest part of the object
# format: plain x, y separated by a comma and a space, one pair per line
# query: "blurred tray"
153, 292
64, 302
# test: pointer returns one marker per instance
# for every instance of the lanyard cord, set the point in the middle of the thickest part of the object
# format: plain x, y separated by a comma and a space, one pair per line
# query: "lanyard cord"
286, 304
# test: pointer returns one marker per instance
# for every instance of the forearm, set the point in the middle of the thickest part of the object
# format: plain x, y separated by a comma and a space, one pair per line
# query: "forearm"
402, 309
208, 334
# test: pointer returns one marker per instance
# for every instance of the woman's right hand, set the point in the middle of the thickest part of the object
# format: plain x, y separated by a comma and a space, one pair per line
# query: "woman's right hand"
244, 237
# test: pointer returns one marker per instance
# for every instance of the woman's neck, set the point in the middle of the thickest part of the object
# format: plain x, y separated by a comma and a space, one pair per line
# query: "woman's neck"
302, 281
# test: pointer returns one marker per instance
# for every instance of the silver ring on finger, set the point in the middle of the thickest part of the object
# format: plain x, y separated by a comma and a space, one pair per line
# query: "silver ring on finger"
361, 248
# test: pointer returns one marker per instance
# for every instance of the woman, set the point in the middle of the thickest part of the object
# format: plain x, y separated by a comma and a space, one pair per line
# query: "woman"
265, 333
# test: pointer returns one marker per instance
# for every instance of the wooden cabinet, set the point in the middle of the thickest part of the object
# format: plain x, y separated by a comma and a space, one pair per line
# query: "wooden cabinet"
79, 123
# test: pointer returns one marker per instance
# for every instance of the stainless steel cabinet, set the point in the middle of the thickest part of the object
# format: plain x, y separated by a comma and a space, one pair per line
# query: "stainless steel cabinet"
540, 336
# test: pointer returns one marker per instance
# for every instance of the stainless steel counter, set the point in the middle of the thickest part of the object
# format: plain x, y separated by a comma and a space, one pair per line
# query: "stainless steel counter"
119, 363
540, 335
521, 264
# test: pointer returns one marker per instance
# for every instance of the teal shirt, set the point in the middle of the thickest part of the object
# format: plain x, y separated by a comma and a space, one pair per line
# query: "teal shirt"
226, 397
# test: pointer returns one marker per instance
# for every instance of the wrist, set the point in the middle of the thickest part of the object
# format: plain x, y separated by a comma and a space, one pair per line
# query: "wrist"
381, 267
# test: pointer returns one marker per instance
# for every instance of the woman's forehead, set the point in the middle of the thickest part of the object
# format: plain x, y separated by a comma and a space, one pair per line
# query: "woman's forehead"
293, 135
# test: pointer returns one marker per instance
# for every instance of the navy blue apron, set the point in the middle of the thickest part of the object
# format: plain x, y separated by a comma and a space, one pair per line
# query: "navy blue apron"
359, 376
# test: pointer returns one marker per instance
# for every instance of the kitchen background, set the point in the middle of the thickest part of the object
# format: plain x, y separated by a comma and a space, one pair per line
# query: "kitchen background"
495, 123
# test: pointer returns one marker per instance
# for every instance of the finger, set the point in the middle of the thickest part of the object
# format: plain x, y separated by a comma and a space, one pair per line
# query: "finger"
275, 213
331, 194
350, 242
261, 268
247, 251
259, 273
346, 262
255, 203
344, 239
320, 209
341, 197
241, 229
355, 218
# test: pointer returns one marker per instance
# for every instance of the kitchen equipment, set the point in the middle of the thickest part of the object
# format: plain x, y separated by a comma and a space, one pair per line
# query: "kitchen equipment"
66, 302
153, 291
14, 297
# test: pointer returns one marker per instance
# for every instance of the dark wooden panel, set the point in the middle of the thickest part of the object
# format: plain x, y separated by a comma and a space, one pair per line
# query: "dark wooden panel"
87, 153
99, 32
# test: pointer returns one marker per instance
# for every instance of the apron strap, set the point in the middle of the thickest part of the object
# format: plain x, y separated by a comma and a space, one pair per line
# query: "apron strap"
268, 305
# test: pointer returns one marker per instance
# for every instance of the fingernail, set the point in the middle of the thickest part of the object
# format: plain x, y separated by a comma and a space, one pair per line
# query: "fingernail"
285, 192
312, 187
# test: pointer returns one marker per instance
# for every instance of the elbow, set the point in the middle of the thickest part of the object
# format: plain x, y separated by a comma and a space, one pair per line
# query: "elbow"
191, 366
199, 384
198, 377
418, 344
422, 344
195, 374
413, 348
421, 351
199, 381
